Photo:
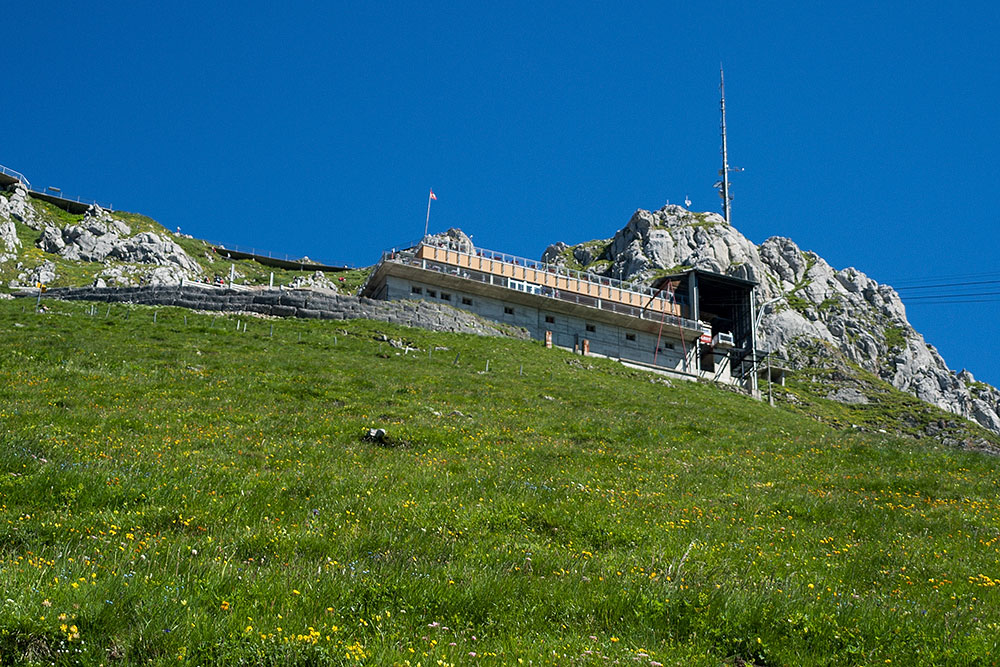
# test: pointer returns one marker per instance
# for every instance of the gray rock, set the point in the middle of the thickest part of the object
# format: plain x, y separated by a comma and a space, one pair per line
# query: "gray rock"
17, 206
554, 254
44, 273
9, 241
848, 395
317, 280
844, 310
454, 239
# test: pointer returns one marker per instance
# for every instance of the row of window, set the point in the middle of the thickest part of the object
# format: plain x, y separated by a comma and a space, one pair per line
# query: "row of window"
508, 310
432, 294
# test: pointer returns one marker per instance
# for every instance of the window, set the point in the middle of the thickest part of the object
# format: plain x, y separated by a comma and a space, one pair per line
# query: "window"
507, 310
630, 337
591, 328
416, 290
466, 301
666, 346
549, 319
431, 293
445, 297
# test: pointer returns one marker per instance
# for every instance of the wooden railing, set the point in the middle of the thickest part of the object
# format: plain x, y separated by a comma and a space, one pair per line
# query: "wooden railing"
556, 278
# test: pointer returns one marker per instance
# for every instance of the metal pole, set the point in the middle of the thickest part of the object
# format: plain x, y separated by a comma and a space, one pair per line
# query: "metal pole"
753, 346
427, 222
770, 397
725, 156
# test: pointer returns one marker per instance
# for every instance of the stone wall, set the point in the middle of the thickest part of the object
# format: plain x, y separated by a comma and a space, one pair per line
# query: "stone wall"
293, 303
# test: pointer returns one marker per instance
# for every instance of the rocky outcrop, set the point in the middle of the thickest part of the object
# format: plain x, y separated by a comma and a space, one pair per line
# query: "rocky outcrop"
310, 304
317, 280
15, 205
453, 239
9, 242
99, 237
43, 274
804, 300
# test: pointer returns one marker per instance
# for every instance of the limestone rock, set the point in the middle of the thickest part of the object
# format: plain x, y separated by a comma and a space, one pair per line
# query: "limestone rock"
848, 395
813, 313
317, 280
17, 206
555, 254
44, 273
166, 275
99, 237
453, 239
9, 241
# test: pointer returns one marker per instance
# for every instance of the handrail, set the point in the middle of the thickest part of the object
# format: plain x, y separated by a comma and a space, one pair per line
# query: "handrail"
590, 278
106, 206
15, 174
409, 256
267, 253
55, 194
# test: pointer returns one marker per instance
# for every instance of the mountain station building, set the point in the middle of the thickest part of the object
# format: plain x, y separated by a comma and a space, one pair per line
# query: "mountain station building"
692, 324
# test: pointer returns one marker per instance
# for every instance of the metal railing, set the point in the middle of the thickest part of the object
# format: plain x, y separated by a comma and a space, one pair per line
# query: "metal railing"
305, 261
50, 192
15, 174
79, 200
409, 256
537, 265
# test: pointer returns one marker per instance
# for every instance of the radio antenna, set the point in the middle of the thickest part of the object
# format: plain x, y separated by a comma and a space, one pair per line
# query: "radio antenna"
723, 185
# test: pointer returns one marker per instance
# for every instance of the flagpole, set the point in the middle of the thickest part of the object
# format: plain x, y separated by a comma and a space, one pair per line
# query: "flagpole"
428, 221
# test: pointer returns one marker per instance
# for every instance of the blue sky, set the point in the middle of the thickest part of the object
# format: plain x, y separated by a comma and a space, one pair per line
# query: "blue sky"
868, 133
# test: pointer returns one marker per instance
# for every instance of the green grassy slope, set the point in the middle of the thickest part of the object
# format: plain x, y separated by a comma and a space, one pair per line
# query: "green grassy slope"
73, 273
176, 492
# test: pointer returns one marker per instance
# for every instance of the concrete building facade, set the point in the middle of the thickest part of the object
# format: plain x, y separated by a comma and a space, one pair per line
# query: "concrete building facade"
589, 314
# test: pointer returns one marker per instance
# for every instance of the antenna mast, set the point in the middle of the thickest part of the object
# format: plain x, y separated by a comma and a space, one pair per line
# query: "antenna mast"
725, 157
723, 185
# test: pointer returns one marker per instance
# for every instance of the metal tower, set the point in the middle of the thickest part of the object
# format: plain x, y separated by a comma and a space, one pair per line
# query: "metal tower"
723, 185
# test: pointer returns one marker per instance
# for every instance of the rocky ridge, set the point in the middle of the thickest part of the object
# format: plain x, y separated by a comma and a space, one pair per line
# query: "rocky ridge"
99, 237
814, 315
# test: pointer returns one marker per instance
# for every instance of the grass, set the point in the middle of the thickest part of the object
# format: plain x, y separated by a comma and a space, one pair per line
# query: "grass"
72, 273
888, 410
176, 492
895, 338
53, 213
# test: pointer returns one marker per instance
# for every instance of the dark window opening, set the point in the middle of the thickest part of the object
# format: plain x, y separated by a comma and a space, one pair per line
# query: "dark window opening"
416, 290
445, 297
466, 301
591, 328
549, 319
630, 337
508, 311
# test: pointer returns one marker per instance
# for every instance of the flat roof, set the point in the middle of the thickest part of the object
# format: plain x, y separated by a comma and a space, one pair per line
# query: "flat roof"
710, 275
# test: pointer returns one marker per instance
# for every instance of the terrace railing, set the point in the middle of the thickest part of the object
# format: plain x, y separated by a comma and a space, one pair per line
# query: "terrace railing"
267, 253
15, 174
646, 295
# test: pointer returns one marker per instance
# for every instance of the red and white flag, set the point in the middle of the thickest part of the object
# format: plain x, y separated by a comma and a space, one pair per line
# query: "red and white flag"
433, 196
